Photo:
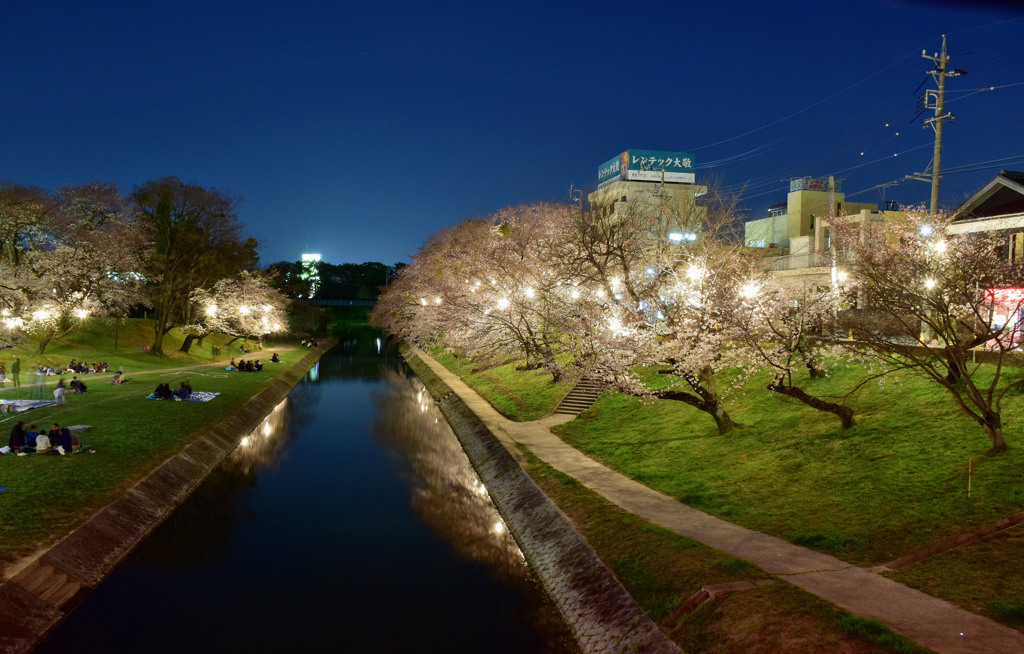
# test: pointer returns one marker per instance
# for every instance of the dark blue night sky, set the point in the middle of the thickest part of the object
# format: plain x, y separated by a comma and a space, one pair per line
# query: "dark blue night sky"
358, 129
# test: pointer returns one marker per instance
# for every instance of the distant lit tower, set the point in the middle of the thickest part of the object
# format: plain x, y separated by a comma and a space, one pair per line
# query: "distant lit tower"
311, 272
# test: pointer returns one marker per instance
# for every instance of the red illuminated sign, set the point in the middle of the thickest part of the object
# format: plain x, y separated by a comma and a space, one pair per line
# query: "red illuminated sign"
1005, 295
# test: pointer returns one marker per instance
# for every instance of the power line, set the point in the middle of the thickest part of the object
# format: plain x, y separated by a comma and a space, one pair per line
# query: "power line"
805, 109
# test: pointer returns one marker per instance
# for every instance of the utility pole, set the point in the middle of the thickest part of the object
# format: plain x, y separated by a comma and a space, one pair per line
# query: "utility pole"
937, 96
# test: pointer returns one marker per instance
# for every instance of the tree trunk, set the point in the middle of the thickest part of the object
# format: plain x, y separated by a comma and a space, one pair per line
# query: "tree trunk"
994, 428
722, 419
843, 412
157, 348
187, 343
45, 339
710, 406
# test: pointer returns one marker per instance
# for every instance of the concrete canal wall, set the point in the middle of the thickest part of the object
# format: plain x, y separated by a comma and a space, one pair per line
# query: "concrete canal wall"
38, 596
601, 614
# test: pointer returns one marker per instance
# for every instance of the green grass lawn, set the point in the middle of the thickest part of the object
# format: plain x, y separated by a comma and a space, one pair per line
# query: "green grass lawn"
894, 484
662, 570
516, 394
48, 495
985, 577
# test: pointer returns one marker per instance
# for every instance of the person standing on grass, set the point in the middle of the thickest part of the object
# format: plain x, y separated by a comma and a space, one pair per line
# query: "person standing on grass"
59, 392
16, 371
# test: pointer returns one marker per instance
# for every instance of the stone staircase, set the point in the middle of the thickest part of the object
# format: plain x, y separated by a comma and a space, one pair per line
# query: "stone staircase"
48, 584
582, 395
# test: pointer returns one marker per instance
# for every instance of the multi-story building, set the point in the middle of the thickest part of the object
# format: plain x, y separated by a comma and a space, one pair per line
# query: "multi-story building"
810, 201
651, 183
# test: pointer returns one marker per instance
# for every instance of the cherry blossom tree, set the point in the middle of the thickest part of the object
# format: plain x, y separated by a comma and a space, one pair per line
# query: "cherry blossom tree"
487, 289
663, 301
242, 306
932, 296
780, 328
85, 260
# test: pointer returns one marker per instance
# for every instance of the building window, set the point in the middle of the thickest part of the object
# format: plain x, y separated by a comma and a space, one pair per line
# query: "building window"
1017, 247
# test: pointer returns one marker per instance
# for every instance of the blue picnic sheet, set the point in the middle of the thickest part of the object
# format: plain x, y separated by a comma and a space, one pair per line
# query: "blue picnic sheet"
25, 405
197, 396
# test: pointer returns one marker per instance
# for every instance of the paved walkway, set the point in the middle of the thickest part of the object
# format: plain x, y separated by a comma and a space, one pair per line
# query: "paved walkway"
929, 621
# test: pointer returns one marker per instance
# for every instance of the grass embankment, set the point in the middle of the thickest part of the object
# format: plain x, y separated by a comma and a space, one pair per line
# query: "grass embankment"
517, 394
49, 495
661, 570
894, 484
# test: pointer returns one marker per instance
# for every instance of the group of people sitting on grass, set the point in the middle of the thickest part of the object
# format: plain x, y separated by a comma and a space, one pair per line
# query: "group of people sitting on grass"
77, 386
246, 366
76, 367
165, 392
81, 367
59, 440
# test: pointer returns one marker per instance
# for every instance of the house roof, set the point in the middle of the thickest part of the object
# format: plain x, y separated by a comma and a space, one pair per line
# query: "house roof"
1001, 196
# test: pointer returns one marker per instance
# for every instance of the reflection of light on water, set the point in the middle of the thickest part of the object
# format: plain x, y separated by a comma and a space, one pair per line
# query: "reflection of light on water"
314, 372
446, 492
378, 346
262, 445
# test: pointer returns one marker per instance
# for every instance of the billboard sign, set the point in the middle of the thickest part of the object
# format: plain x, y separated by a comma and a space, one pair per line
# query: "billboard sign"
611, 170
811, 184
648, 166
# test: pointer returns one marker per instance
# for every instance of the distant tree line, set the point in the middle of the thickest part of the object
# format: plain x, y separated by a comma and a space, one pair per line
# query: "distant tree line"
345, 281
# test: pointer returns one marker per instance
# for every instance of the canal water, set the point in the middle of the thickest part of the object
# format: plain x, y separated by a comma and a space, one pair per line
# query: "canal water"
349, 521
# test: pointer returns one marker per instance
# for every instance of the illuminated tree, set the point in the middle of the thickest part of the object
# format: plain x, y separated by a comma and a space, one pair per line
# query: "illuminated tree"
780, 328
661, 298
242, 306
85, 260
932, 296
486, 288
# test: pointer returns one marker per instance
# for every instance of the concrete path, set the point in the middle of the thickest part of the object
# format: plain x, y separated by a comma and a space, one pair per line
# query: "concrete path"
929, 621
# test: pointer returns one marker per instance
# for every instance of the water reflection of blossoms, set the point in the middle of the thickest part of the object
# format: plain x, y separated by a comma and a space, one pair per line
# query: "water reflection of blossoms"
446, 494
261, 447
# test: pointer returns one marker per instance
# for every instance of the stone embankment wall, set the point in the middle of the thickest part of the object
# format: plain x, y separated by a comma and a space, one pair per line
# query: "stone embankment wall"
602, 615
41, 593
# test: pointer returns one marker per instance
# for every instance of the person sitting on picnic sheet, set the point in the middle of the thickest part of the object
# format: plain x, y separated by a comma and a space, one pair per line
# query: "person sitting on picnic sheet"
17, 439
118, 378
257, 366
184, 391
77, 386
42, 443
65, 440
275, 359
240, 365
164, 392
248, 366
31, 434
